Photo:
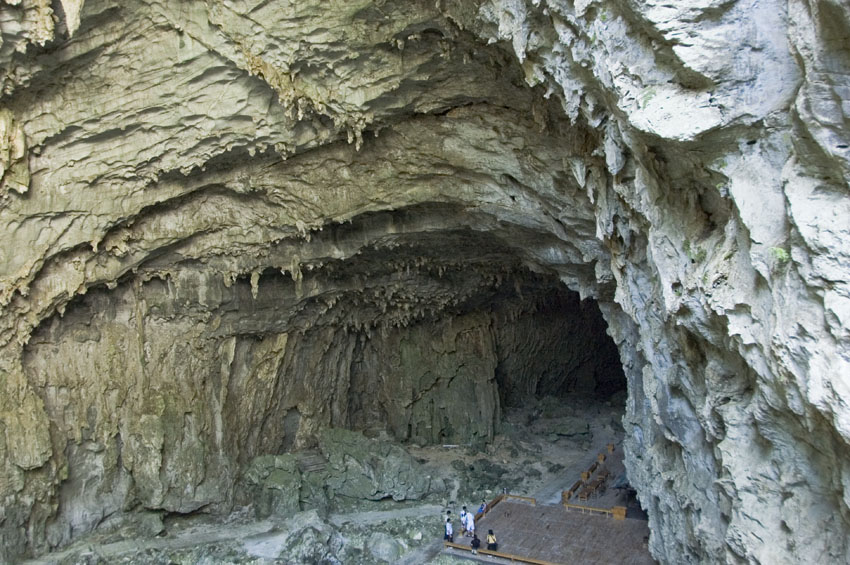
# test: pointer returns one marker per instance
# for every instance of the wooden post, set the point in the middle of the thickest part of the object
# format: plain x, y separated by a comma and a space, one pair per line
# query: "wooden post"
601, 458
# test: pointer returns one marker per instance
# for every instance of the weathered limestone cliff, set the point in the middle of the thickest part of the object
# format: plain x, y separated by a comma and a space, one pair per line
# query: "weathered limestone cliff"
229, 225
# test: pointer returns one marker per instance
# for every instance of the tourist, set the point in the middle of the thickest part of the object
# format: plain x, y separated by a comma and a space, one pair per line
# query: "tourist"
483, 508
463, 514
476, 543
449, 537
492, 544
470, 524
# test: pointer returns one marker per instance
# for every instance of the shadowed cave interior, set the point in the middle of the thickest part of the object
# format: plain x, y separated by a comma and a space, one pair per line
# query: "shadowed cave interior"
425, 338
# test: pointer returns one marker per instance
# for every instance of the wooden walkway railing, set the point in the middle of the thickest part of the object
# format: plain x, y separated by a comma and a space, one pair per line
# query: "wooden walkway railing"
492, 504
509, 556
489, 507
591, 509
585, 488
533, 501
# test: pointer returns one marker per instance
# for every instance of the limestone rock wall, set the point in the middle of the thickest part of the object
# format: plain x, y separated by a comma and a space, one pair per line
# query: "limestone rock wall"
435, 383
728, 155
162, 165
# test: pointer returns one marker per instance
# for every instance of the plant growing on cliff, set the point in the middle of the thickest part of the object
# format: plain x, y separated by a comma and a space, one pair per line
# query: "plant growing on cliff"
647, 95
696, 254
780, 255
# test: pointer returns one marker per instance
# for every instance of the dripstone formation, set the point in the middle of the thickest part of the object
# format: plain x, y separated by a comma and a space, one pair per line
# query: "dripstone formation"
230, 226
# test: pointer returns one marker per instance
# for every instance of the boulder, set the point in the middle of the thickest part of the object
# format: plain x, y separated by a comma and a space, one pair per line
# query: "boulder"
273, 485
369, 469
384, 547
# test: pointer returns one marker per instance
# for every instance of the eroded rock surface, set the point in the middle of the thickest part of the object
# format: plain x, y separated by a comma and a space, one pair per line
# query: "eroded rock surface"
370, 469
230, 225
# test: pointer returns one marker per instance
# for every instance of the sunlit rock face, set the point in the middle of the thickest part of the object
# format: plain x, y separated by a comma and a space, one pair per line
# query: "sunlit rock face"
228, 225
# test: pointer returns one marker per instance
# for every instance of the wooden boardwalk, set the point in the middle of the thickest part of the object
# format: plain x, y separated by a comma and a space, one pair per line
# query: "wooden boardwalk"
554, 534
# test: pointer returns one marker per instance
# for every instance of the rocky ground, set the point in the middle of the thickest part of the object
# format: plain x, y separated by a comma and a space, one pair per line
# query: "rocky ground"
541, 448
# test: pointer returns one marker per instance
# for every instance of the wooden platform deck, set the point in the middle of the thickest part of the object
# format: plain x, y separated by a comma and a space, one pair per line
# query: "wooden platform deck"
554, 534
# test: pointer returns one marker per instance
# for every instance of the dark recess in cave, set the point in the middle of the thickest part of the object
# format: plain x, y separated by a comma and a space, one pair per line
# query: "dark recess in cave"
559, 349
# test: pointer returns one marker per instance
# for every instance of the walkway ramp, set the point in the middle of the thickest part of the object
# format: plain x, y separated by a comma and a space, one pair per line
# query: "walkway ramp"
553, 534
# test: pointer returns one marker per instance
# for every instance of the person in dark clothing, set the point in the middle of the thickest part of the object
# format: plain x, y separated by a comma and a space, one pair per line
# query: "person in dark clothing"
475, 544
492, 544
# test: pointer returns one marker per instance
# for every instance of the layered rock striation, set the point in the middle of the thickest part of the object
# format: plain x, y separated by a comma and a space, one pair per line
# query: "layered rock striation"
230, 225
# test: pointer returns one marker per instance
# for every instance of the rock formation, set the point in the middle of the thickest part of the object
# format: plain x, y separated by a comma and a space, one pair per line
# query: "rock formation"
230, 225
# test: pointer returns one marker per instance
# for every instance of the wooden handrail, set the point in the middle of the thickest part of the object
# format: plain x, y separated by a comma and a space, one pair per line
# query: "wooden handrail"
510, 556
490, 505
525, 498
592, 509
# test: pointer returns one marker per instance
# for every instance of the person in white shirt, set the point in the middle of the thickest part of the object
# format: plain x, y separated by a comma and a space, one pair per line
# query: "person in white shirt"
449, 531
470, 524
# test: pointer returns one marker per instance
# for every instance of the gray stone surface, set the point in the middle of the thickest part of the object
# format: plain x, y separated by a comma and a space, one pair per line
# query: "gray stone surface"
214, 212
384, 547
273, 485
362, 468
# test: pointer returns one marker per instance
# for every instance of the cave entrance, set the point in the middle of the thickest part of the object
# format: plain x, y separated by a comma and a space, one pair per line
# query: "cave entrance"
431, 339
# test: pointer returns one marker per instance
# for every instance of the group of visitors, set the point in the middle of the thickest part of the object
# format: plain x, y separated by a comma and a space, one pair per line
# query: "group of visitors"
467, 525
467, 528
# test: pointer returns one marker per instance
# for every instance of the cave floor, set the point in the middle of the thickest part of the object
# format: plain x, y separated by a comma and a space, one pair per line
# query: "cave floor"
540, 451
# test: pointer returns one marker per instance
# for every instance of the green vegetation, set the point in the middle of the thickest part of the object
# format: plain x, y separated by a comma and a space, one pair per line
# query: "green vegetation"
780, 255
696, 254
647, 95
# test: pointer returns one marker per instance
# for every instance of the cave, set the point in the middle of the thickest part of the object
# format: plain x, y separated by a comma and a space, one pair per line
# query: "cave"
237, 233
422, 338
